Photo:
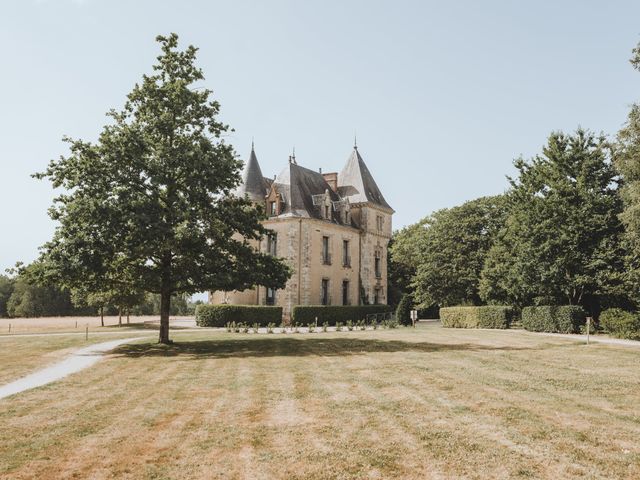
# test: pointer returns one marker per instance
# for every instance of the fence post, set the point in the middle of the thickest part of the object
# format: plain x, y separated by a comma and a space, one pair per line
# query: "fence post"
9, 328
86, 333
588, 328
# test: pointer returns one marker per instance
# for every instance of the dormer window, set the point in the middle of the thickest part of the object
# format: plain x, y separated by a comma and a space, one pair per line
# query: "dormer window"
327, 212
273, 208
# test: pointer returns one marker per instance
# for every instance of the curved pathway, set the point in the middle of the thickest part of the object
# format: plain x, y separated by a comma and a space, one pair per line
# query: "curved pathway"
78, 360
593, 338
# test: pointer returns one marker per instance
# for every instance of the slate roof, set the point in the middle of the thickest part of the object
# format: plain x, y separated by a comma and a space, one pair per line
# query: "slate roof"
298, 185
356, 183
253, 183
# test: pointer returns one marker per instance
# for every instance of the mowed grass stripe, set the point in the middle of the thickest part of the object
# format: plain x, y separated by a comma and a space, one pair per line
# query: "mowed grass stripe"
431, 403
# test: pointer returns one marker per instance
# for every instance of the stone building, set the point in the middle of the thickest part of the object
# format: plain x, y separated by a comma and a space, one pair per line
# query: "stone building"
332, 228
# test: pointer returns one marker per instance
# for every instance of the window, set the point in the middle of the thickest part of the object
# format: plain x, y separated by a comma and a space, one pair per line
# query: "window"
273, 208
377, 264
326, 256
326, 212
325, 292
376, 296
379, 222
346, 258
272, 244
346, 217
345, 292
271, 296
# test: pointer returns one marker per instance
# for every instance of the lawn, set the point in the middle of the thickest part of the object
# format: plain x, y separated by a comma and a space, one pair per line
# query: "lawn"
20, 355
429, 403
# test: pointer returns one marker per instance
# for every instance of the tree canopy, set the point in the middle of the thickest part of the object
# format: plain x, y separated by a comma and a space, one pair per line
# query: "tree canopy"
447, 251
149, 203
561, 242
627, 161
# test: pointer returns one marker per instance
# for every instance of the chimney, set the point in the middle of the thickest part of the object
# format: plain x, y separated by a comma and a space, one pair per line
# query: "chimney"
332, 180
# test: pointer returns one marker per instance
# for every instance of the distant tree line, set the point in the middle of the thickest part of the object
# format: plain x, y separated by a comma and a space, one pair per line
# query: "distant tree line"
21, 295
566, 232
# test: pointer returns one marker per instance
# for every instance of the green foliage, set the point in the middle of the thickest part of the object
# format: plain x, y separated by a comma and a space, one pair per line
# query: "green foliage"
303, 314
30, 298
401, 262
403, 312
488, 316
448, 249
627, 161
220, 315
620, 323
149, 203
6, 289
151, 305
562, 237
555, 319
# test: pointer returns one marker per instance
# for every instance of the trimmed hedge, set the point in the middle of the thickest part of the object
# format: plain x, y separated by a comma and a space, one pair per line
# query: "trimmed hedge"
305, 314
620, 323
487, 316
220, 315
554, 319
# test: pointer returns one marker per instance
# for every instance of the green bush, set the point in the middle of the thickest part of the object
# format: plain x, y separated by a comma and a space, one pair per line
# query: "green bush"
303, 314
403, 312
220, 315
487, 316
620, 323
555, 319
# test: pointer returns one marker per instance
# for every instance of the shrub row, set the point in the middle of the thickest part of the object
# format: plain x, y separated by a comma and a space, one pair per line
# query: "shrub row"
487, 316
620, 323
555, 319
220, 315
304, 314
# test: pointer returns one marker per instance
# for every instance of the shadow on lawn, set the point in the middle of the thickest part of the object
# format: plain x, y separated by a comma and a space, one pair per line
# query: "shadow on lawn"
277, 347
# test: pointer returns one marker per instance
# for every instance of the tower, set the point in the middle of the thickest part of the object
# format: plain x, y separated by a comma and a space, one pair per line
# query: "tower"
372, 214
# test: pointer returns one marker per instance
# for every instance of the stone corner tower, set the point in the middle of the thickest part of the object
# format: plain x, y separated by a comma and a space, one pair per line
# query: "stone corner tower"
372, 214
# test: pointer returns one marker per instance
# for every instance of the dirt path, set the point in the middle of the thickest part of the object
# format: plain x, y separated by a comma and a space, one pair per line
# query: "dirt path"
78, 360
592, 338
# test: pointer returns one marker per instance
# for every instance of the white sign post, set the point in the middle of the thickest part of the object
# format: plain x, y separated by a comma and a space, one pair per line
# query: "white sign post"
414, 317
588, 328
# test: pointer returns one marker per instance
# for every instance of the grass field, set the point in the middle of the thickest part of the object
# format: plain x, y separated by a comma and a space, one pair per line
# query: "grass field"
431, 403
74, 324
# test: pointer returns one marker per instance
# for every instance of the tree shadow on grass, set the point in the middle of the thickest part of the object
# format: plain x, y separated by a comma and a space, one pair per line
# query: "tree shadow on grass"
287, 346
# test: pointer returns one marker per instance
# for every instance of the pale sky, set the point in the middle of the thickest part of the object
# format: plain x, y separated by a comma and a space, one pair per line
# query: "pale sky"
443, 95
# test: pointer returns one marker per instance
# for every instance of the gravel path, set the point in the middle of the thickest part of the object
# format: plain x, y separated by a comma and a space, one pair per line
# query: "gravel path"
78, 360
592, 338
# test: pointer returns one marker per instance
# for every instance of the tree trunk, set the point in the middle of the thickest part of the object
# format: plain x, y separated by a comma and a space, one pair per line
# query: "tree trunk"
165, 306
102, 316
119, 317
127, 316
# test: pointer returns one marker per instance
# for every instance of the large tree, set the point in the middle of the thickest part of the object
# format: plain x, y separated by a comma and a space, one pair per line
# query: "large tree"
402, 261
150, 201
562, 240
627, 161
447, 251
6, 289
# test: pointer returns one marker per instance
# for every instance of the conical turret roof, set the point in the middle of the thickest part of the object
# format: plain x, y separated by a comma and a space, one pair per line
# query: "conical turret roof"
253, 184
356, 183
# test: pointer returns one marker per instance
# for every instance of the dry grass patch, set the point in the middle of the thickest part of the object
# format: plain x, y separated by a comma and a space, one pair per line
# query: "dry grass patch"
431, 403
76, 324
21, 355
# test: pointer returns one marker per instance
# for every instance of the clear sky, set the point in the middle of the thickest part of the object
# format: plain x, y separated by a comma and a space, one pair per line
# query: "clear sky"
442, 95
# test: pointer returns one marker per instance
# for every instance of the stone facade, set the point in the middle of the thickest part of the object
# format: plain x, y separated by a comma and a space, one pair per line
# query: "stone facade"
332, 229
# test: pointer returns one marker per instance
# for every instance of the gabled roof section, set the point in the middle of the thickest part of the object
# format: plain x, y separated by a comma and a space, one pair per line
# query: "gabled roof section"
253, 183
298, 185
356, 183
